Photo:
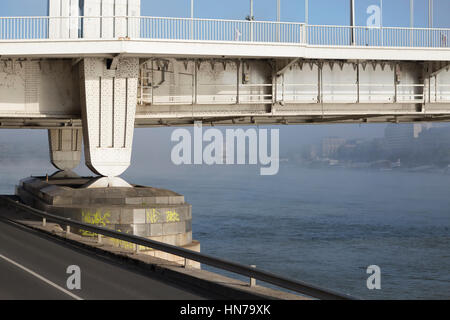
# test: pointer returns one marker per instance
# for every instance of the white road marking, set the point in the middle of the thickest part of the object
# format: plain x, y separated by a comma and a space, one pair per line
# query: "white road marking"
41, 278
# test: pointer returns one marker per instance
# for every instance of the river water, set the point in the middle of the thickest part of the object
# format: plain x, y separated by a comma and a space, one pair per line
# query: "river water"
322, 226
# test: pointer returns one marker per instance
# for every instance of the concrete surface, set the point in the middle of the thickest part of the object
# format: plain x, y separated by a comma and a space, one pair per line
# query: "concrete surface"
100, 278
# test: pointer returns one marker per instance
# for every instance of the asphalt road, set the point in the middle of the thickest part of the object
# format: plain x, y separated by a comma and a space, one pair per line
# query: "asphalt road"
34, 266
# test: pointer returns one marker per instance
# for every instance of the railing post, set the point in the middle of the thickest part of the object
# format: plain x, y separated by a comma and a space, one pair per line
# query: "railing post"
305, 34
252, 281
44, 222
238, 67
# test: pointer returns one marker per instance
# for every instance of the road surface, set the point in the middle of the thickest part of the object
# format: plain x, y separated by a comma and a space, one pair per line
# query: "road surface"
34, 266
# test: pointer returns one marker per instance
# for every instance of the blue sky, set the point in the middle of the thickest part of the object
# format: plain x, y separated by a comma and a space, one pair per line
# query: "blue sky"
395, 12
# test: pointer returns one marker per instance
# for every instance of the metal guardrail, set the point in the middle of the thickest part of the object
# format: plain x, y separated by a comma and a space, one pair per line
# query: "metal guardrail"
336, 92
113, 27
297, 286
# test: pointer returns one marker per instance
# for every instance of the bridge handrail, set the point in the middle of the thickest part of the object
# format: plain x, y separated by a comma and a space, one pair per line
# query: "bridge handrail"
377, 28
206, 29
152, 17
237, 268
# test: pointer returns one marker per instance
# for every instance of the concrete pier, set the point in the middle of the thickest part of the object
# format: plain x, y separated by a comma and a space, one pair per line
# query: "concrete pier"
156, 214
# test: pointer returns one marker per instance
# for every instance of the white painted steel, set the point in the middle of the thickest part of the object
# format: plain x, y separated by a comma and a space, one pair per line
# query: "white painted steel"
24, 28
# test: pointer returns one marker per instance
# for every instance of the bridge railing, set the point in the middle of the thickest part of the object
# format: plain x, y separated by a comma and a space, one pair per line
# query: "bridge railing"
377, 37
25, 28
298, 93
220, 30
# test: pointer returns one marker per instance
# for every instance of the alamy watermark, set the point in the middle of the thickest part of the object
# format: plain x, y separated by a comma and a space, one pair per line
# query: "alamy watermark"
374, 19
374, 280
74, 280
229, 149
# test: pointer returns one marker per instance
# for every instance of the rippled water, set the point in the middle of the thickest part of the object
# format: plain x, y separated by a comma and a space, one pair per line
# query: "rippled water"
323, 226
326, 226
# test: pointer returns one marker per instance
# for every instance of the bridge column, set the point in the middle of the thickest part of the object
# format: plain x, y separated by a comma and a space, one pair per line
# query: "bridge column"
109, 98
65, 148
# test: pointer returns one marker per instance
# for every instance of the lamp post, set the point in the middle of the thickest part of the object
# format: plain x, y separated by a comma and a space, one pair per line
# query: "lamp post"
430, 21
192, 19
352, 21
278, 19
411, 21
251, 18
306, 11
430, 14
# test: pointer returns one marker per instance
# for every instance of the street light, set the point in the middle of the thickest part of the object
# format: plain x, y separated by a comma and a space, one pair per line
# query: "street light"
430, 14
411, 20
306, 11
192, 19
278, 10
278, 19
352, 21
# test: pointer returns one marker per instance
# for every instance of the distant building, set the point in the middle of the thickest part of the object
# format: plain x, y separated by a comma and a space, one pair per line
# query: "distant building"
435, 139
330, 146
400, 138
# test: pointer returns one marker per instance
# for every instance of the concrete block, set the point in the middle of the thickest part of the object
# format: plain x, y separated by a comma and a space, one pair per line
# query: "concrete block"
108, 201
135, 201
170, 228
126, 216
140, 230
174, 228
170, 239
112, 215
60, 200
162, 200
81, 200
148, 201
176, 200
155, 229
188, 226
139, 216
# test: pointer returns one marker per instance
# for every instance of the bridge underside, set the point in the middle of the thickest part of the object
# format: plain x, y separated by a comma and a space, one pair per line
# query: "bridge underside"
45, 93
142, 121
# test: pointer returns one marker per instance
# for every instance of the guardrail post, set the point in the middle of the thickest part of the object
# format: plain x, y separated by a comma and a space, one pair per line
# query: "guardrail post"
252, 282
99, 238
67, 230
305, 34
44, 222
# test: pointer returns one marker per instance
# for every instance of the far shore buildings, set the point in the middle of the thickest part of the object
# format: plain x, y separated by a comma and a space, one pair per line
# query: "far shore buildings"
411, 143
400, 138
331, 145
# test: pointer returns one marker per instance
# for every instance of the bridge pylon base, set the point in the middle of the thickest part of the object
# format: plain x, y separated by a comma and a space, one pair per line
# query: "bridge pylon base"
156, 214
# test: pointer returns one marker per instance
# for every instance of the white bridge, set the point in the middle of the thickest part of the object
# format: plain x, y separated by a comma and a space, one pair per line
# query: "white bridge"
111, 70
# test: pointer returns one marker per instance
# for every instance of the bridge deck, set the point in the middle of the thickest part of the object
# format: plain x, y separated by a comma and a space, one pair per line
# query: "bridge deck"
227, 71
181, 37
145, 48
